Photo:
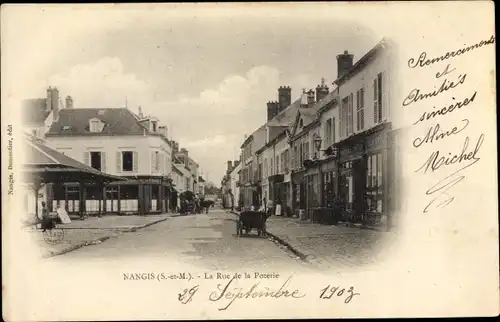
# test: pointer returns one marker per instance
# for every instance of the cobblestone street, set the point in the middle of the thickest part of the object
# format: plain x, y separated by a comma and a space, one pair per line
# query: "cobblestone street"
210, 241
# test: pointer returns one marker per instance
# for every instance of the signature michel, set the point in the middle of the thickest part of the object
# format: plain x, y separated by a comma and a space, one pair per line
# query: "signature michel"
231, 294
438, 160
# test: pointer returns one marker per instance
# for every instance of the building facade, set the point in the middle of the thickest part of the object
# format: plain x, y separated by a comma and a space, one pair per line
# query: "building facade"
118, 142
338, 150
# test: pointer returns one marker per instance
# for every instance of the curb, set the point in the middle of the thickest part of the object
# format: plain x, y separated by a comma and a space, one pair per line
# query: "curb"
99, 240
75, 247
282, 242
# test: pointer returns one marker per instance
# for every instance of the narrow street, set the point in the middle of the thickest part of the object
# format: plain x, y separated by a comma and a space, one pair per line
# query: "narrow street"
208, 241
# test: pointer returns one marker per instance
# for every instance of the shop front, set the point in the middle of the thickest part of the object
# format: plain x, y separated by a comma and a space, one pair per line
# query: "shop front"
377, 176
329, 183
351, 179
298, 201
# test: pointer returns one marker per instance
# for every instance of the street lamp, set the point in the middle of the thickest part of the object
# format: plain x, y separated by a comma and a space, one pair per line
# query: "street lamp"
317, 142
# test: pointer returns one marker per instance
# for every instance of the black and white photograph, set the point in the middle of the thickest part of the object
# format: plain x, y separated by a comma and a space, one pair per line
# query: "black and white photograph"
208, 158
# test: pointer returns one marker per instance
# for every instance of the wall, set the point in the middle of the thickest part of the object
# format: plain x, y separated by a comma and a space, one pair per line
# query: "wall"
145, 146
331, 113
364, 78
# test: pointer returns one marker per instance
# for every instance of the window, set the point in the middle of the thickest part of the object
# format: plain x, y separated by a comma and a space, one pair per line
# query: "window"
95, 160
360, 112
266, 169
328, 130
333, 131
154, 126
287, 160
127, 161
271, 172
374, 187
350, 117
343, 116
377, 99
277, 164
295, 156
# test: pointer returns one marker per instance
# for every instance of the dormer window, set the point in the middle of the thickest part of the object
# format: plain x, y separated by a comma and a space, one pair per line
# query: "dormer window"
95, 125
155, 126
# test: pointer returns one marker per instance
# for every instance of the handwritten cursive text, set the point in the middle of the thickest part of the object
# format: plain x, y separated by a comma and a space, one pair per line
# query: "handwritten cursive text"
415, 95
224, 292
435, 133
422, 60
445, 110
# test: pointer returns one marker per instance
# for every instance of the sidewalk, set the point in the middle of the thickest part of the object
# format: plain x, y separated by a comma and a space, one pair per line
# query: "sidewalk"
328, 245
91, 231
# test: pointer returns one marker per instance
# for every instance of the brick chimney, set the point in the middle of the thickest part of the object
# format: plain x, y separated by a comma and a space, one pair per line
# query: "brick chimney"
49, 99
185, 152
229, 166
284, 97
69, 102
344, 63
310, 98
53, 101
272, 110
303, 99
321, 90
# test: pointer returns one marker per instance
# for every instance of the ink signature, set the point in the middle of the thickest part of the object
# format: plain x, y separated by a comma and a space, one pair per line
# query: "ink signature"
442, 187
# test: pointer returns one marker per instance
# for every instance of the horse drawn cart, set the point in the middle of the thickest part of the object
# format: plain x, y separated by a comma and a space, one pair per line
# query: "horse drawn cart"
249, 220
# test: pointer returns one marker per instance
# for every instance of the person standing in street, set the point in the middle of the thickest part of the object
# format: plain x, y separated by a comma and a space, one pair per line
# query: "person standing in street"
46, 220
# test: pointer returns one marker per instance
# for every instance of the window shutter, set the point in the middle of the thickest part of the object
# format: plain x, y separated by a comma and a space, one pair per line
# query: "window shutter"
375, 101
358, 109
86, 158
136, 161
333, 131
118, 161
103, 161
351, 113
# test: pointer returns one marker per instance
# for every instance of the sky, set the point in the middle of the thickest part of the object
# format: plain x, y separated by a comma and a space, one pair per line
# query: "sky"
206, 74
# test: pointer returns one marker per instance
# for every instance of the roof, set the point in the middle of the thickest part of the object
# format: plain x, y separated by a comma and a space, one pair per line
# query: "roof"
40, 155
176, 169
200, 179
308, 115
362, 61
34, 111
117, 121
285, 117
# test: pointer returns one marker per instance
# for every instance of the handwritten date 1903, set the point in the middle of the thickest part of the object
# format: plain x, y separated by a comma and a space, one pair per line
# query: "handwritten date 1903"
329, 291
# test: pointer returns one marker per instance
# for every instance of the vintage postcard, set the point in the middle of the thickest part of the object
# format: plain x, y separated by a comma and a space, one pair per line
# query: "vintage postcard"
249, 161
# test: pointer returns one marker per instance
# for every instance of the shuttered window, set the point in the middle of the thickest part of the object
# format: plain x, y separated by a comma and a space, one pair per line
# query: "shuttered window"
360, 109
350, 116
103, 162
86, 158
377, 99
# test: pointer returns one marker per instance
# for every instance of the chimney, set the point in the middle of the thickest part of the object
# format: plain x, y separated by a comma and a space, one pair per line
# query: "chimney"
229, 166
186, 156
344, 63
140, 112
55, 103
49, 99
310, 98
303, 99
284, 97
69, 102
272, 110
321, 90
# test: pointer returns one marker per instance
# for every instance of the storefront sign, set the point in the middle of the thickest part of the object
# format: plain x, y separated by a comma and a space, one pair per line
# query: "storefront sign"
375, 142
351, 152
